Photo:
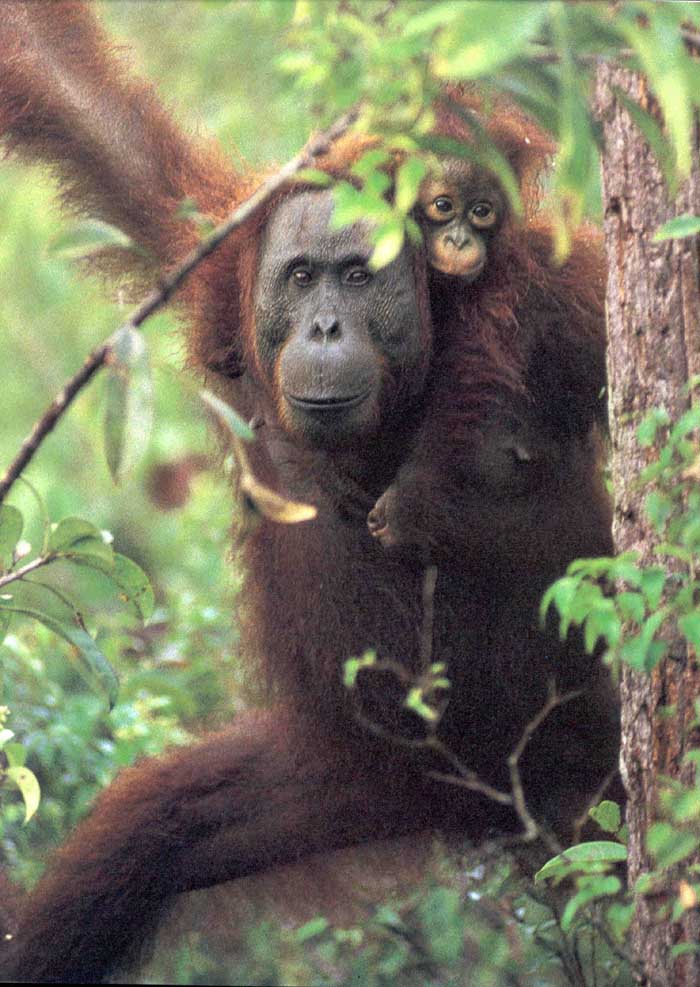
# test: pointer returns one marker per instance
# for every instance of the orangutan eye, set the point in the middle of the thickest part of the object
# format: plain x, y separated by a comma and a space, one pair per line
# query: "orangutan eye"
301, 276
482, 214
357, 276
443, 204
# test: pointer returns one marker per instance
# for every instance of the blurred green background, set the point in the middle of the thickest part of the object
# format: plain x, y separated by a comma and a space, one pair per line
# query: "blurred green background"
213, 63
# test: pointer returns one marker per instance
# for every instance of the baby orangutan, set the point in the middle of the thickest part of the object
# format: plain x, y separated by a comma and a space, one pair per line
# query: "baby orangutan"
494, 288
460, 212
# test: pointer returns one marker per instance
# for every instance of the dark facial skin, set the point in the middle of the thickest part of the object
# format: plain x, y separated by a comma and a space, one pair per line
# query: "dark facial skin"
331, 333
460, 210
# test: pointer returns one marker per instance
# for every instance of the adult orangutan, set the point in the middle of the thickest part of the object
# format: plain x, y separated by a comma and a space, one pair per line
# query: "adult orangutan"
340, 367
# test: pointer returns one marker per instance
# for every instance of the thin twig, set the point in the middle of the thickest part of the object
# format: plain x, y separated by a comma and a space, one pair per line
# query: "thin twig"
532, 829
426, 638
11, 577
581, 820
315, 148
471, 781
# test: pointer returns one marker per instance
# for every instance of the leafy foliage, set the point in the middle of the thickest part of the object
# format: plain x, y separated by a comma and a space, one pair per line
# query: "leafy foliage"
391, 58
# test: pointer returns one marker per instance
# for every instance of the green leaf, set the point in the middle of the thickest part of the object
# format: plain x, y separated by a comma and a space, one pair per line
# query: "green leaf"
313, 928
671, 76
679, 227
619, 917
16, 755
654, 420
642, 652
582, 857
11, 525
82, 642
561, 594
388, 243
658, 507
408, 180
87, 237
26, 781
438, 15
230, 418
653, 135
607, 815
576, 150
132, 582
476, 46
688, 422
603, 622
69, 532
5, 620
689, 625
415, 701
652, 585
314, 176
353, 666
440, 918
370, 162
684, 949
669, 845
592, 889
128, 402
631, 606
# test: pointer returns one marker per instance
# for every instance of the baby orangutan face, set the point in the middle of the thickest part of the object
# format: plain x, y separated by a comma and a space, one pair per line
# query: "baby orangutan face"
460, 211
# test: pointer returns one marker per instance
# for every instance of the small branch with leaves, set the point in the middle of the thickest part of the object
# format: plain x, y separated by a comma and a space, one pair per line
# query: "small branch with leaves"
426, 697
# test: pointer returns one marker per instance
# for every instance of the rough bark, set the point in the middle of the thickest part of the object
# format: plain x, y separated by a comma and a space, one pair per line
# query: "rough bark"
653, 301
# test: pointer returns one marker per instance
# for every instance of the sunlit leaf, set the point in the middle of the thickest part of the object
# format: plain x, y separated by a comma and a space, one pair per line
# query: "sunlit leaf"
128, 402
669, 845
497, 32
353, 666
272, 506
436, 16
11, 524
28, 785
87, 237
132, 582
370, 162
591, 890
82, 642
69, 531
669, 76
16, 754
678, 227
580, 857
607, 815
689, 625
228, 416
387, 245
408, 180
654, 136
314, 176
312, 928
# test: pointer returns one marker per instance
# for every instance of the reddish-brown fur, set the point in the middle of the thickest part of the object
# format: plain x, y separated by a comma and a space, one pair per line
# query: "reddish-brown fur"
303, 776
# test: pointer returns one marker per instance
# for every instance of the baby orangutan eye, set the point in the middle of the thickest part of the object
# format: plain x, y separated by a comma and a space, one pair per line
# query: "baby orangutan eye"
482, 214
443, 204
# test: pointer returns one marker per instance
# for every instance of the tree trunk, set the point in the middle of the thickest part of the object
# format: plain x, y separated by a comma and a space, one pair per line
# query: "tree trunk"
653, 303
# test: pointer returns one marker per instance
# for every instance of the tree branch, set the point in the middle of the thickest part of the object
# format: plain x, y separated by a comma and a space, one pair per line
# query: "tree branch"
315, 148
